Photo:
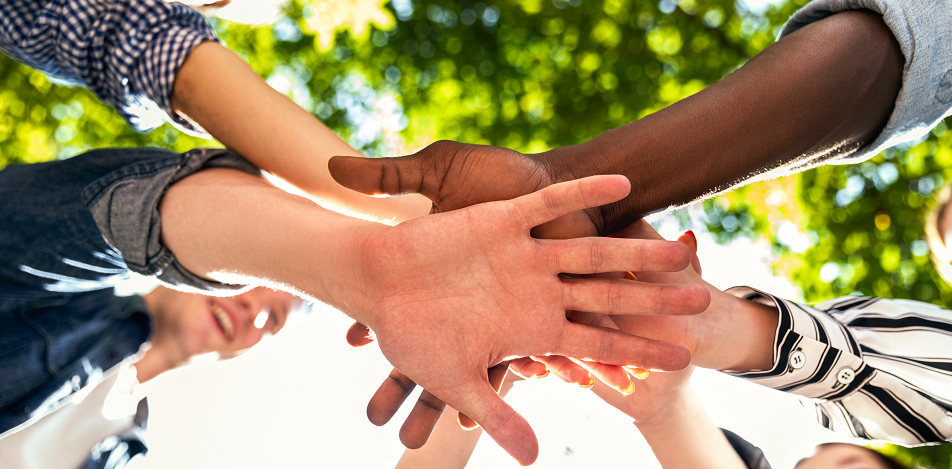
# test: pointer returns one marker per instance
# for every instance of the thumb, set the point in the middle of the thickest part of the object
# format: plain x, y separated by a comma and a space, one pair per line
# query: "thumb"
379, 176
500, 421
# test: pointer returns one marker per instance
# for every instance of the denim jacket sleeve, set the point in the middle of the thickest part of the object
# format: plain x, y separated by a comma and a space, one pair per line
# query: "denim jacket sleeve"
84, 223
923, 29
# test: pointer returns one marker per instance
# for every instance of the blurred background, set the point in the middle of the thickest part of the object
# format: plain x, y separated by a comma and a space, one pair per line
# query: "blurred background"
393, 76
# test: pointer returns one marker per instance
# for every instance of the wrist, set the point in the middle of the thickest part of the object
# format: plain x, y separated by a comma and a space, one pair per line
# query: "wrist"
347, 282
735, 334
672, 409
618, 151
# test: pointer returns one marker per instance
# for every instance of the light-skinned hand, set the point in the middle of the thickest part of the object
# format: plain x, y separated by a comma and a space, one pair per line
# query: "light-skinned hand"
453, 295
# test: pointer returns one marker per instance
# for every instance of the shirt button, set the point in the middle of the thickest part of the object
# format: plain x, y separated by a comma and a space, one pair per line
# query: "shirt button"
845, 375
797, 360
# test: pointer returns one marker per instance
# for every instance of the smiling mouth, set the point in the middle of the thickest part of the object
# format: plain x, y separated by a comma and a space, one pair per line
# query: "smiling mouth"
224, 321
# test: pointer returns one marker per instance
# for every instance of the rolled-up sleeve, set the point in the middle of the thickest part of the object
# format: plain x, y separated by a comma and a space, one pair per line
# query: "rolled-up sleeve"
923, 29
872, 368
125, 207
127, 52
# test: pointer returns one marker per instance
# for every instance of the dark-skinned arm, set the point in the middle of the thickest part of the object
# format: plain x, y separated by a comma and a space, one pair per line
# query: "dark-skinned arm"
821, 92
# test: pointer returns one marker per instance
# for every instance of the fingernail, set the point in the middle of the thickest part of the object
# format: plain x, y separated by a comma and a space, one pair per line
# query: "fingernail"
543, 375
591, 382
689, 232
628, 389
639, 373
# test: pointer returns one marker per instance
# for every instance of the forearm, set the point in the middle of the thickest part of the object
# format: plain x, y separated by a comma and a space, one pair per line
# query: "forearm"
823, 91
220, 92
238, 228
683, 436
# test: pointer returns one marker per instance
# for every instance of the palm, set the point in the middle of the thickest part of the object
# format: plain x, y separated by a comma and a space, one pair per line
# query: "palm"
494, 296
453, 294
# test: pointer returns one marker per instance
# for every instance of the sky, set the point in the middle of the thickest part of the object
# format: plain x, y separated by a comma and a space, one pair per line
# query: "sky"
299, 398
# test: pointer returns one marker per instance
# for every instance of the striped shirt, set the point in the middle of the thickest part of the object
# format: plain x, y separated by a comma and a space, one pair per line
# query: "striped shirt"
127, 52
874, 368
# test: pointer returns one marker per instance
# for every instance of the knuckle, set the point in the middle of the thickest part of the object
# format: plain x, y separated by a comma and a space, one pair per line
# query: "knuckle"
551, 202
595, 251
615, 302
568, 293
658, 297
605, 347
402, 382
432, 402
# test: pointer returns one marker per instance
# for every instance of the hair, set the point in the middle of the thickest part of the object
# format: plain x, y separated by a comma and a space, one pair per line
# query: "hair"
940, 253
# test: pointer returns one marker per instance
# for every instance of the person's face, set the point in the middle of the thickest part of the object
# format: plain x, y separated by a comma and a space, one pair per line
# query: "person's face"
197, 324
944, 224
840, 456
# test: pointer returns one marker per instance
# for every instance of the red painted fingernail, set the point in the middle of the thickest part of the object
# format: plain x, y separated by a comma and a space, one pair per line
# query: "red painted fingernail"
628, 389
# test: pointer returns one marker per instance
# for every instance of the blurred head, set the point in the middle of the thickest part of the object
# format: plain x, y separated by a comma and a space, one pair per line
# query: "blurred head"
847, 456
189, 324
938, 227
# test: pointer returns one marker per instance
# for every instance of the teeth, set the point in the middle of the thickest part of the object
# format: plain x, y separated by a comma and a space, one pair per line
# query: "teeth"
224, 321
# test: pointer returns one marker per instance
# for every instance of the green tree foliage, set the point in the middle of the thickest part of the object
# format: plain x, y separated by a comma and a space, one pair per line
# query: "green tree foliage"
40, 121
867, 222
528, 74
925, 457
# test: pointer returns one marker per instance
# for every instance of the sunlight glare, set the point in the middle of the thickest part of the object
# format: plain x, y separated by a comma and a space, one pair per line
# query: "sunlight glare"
262, 318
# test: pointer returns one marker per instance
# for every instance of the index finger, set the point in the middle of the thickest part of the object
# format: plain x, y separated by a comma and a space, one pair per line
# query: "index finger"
595, 255
559, 199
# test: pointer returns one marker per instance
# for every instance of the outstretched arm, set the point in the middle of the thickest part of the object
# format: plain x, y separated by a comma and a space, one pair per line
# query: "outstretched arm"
823, 91
218, 90
164, 55
875, 368
675, 424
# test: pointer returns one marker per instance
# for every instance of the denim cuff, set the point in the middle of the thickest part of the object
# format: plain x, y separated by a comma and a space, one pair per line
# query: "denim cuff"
124, 205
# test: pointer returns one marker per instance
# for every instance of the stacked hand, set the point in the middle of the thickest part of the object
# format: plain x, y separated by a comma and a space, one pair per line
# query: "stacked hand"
453, 295
456, 175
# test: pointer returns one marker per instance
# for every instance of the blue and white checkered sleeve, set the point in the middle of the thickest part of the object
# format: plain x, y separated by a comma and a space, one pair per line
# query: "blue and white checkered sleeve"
127, 52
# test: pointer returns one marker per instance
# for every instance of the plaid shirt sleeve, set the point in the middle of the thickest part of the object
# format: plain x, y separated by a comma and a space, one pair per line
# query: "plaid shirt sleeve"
873, 368
127, 52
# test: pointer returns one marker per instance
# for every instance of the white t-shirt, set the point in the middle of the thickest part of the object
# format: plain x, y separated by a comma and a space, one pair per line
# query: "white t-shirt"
63, 438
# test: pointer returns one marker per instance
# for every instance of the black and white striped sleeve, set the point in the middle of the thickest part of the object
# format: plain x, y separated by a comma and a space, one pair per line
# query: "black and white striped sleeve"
874, 368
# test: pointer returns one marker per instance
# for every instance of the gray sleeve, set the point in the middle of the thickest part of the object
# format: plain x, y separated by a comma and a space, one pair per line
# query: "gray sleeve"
125, 202
923, 29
